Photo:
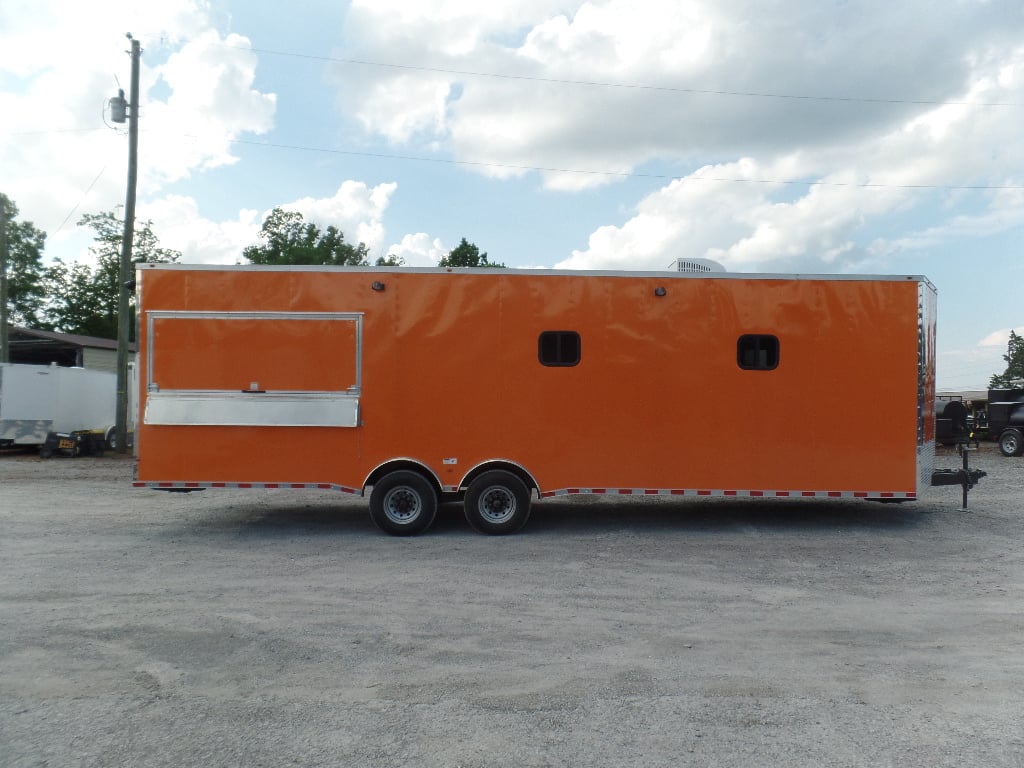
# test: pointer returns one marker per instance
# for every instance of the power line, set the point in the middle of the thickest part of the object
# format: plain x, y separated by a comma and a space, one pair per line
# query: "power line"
624, 174
630, 86
582, 171
84, 195
43, 131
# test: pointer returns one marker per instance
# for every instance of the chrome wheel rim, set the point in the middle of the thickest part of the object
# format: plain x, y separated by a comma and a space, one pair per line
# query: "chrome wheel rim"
402, 505
497, 504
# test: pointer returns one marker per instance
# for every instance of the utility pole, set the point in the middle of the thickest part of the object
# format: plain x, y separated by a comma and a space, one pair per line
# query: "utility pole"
126, 281
5, 352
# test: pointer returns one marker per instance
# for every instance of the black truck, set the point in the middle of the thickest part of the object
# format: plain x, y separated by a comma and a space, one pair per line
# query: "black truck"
1006, 420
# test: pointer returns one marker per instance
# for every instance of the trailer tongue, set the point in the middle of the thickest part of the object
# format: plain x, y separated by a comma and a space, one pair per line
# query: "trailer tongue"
963, 476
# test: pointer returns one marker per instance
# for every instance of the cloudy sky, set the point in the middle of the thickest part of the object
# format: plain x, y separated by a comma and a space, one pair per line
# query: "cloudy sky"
813, 136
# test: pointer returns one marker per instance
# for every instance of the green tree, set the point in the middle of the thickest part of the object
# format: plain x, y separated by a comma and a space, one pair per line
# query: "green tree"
83, 297
466, 254
390, 261
26, 275
289, 239
1014, 358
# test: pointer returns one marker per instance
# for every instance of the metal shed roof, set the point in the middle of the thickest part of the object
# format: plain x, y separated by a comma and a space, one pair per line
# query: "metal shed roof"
29, 345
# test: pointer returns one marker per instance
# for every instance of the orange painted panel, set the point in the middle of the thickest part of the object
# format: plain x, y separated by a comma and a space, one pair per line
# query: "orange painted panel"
232, 354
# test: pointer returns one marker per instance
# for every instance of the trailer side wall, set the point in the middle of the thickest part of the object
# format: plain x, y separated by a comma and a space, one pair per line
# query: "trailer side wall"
450, 377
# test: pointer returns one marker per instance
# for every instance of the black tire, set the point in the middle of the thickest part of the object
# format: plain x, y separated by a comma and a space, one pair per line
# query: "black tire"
111, 439
497, 503
403, 503
1011, 443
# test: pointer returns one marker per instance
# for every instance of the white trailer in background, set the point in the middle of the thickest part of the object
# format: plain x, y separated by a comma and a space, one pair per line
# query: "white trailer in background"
36, 400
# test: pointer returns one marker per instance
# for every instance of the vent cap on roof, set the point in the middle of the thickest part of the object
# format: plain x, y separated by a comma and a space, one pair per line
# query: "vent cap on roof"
696, 265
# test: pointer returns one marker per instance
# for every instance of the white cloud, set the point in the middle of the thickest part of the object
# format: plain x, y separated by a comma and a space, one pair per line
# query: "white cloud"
968, 369
356, 209
59, 151
1005, 212
419, 250
715, 213
1000, 338
212, 102
69, 36
758, 226
682, 69
404, 107
453, 27
907, 50
178, 223
972, 367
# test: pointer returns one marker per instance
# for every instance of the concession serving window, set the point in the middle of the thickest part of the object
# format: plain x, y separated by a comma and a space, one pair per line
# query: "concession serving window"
253, 368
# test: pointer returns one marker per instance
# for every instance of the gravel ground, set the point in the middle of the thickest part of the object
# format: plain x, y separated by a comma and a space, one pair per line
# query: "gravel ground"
280, 628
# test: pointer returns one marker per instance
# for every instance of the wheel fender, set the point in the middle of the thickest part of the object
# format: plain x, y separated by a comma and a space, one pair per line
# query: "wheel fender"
397, 463
506, 464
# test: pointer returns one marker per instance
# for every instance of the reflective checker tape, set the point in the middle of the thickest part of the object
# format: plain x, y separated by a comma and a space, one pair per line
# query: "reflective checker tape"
195, 486
749, 493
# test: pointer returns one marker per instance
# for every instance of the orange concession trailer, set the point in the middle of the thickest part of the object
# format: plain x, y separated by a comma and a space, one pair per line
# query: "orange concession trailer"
497, 387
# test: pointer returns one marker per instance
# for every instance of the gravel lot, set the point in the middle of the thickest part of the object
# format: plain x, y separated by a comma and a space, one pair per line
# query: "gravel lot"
280, 628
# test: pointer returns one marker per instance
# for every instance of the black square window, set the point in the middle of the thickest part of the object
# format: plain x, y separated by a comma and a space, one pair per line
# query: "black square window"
757, 352
559, 348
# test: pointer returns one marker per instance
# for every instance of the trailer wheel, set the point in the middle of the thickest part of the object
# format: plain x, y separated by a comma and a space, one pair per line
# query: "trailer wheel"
403, 503
497, 502
1011, 443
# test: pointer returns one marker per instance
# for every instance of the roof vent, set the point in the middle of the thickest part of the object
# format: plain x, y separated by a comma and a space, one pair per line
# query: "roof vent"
696, 265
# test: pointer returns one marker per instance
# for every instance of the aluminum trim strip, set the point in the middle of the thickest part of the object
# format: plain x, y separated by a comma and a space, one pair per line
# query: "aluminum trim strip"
926, 319
659, 274
270, 409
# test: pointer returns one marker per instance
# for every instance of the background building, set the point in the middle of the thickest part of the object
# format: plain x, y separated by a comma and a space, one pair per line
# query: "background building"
64, 349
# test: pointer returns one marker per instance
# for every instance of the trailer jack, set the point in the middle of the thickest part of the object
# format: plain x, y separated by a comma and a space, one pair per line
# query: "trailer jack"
965, 477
